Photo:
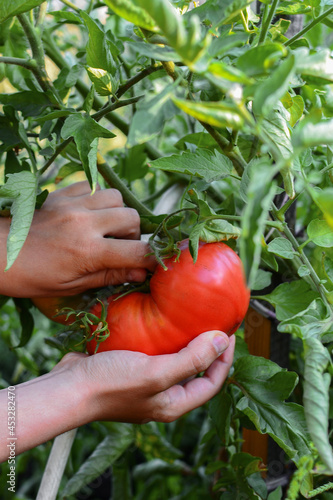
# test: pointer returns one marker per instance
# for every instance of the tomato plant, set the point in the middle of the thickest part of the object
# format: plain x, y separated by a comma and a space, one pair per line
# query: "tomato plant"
185, 300
219, 109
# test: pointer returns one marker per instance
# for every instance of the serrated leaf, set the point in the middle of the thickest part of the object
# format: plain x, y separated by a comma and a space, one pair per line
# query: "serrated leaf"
328, 267
265, 387
132, 13
10, 8
312, 321
208, 165
86, 133
271, 90
320, 233
316, 398
281, 247
120, 437
21, 188
290, 299
150, 117
296, 110
217, 114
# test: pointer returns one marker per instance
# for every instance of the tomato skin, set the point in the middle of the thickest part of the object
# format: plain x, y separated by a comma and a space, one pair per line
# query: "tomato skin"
183, 302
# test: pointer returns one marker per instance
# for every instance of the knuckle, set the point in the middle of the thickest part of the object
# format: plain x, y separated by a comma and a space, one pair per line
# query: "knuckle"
116, 196
198, 362
163, 410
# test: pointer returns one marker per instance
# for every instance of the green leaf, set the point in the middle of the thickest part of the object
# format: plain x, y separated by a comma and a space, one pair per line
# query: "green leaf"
328, 267
309, 135
10, 8
216, 13
263, 280
276, 129
220, 411
153, 444
30, 102
290, 299
104, 83
296, 110
292, 8
21, 188
160, 467
208, 165
259, 60
260, 193
265, 386
324, 200
150, 117
281, 247
318, 64
154, 51
132, 13
217, 114
121, 482
26, 320
189, 43
313, 321
86, 132
316, 398
98, 52
271, 90
320, 233
119, 438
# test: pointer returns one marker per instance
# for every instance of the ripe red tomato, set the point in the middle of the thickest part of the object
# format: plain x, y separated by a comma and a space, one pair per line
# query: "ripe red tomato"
183, 302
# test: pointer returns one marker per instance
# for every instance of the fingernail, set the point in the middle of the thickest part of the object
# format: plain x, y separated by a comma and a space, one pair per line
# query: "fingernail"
220, 343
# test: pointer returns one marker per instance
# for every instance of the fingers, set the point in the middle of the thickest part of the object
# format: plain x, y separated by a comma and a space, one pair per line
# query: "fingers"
117, 254
119, 222
77, 189
102, 198
106, 277
193, 359
178, 400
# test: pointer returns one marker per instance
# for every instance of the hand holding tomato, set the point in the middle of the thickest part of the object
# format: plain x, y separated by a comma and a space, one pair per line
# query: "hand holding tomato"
133, 387
66, 251
118, 386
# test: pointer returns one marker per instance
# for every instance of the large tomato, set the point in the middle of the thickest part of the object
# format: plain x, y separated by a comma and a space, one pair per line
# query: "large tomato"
184, 301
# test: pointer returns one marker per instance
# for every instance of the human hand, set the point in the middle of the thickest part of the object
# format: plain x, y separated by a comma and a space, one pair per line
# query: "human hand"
118, 386
66, 251
133, 387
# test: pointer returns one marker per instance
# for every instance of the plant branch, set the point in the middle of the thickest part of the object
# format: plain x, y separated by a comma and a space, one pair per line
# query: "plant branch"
57, 152
266, 24
115, 105
309, 26
137, 78
70, 4
112, 179
38, 54
25, 63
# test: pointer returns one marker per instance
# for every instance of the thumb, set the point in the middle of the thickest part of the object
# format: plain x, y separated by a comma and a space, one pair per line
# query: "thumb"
199, 354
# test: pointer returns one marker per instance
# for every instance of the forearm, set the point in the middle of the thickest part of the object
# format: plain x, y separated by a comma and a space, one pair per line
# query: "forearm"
43, 408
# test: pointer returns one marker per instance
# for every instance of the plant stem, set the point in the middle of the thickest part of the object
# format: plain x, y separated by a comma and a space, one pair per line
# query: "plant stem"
130, 199
38, 54
115, 105
70, 4
276, 224
25, 63
137, 78
267, 22
313, 275
57, 152
309, 26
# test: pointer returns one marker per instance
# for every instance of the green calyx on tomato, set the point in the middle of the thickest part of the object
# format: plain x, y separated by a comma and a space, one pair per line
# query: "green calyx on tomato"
184, 301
